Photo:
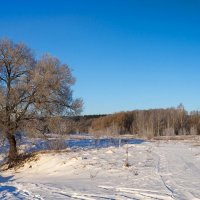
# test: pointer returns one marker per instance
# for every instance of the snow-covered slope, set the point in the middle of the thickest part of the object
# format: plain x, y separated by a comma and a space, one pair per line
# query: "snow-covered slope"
158, 170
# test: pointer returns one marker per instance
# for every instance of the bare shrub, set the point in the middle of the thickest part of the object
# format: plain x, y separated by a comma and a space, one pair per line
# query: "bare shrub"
169, 132
56, 144
193, 130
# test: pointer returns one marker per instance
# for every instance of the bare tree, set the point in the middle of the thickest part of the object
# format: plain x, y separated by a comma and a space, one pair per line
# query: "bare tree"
181, 113
32, 91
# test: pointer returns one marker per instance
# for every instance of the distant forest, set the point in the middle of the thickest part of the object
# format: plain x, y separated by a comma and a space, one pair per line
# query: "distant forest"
143, 123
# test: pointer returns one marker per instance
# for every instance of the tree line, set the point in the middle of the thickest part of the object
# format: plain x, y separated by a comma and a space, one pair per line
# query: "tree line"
149, 123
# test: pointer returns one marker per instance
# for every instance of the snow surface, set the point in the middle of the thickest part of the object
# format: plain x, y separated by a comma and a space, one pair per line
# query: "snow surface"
163, 170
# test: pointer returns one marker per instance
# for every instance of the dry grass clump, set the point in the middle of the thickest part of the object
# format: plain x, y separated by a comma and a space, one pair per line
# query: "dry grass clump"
19, 162
177, 137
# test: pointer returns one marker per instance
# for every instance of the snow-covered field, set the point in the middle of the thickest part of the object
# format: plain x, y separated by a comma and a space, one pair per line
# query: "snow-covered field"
158, 170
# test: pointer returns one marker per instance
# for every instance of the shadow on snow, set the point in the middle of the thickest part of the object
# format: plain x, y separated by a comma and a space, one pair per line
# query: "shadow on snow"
100, 143
6, 188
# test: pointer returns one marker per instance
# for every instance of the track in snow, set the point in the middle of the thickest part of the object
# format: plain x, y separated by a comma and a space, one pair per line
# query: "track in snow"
179, 171
176, 167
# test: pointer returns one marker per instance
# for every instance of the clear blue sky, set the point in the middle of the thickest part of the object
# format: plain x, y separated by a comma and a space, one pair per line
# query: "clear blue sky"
125, 54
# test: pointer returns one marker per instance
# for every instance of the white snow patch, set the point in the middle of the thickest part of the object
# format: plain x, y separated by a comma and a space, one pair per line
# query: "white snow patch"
164, 171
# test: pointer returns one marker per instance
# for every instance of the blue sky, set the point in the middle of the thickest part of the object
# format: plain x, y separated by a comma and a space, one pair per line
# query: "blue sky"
125, 54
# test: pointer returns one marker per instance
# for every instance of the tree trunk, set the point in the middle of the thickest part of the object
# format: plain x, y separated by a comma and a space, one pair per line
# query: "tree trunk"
13, 147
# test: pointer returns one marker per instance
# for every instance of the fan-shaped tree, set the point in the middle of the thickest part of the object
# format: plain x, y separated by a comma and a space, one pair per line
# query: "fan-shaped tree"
31, 91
